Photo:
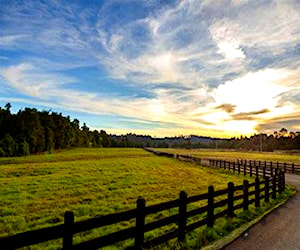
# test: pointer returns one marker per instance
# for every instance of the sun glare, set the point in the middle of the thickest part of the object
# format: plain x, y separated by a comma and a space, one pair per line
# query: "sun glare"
253, 92
240, 127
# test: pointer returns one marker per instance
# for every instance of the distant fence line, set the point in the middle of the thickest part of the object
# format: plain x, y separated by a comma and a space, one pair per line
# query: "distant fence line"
251, 165
234, 198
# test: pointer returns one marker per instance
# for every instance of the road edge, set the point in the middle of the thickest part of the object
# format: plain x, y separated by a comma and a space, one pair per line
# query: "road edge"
235, 234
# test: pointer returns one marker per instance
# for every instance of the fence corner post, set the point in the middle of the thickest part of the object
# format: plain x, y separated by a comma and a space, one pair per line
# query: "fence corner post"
230, 199
210, 207
139, 223
246, 196
68, 230
182, 216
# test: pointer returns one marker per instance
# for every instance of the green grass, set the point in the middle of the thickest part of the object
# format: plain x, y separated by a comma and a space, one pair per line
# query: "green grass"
233, 155
35, 191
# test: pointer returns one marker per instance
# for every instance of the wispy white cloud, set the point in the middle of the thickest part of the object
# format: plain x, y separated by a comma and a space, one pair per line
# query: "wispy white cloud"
10, 40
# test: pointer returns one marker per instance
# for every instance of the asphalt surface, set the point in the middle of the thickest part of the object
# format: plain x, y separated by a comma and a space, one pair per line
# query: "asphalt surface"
278, 230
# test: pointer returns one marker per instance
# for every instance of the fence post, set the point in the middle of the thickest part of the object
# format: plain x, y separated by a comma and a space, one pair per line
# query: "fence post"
280, 182
274, 187
276, 170
264, 172
182, 216
271, 168
239, 168
293, 168
256, 171
245, 169
257, 199
140, 223
267, 189
284, 167
246, 196
210, 207
283, 181
228, 165
230, 199
68, 230
250, 169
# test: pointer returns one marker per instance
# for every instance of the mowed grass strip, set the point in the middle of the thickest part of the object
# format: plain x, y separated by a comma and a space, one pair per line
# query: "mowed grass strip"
96, 182
233, 155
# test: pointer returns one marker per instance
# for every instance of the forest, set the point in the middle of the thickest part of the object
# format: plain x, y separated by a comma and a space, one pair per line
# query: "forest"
31, 131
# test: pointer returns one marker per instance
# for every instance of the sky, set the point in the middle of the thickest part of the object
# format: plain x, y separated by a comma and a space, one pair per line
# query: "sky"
217, 68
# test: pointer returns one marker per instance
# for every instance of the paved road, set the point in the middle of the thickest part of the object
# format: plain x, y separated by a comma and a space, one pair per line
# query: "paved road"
278, 230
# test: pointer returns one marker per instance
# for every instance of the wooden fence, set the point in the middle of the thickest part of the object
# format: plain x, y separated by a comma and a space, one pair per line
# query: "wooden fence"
229, 200
268, 166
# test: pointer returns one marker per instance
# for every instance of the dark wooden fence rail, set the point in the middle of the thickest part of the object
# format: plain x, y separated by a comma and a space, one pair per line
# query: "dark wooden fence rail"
230, 199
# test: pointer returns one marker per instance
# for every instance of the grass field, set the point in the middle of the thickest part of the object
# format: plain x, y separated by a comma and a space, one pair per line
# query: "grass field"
35, 191
233, 155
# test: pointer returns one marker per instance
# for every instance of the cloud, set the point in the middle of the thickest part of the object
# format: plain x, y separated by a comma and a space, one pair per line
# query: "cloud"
207, 65
53, 90
26, 79
10, 40
223, 32
253, 91
229, 108
249, 115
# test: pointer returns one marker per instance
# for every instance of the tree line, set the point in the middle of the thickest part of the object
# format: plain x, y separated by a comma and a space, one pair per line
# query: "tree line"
279, 140
31, 131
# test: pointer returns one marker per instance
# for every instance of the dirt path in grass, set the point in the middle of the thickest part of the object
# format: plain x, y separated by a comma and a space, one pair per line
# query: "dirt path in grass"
278, 230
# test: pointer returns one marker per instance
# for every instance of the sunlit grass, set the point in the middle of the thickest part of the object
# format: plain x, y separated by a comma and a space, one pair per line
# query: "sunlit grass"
233, 155
35, 191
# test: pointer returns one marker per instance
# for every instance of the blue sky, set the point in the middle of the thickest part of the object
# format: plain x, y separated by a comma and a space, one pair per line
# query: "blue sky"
163, 68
